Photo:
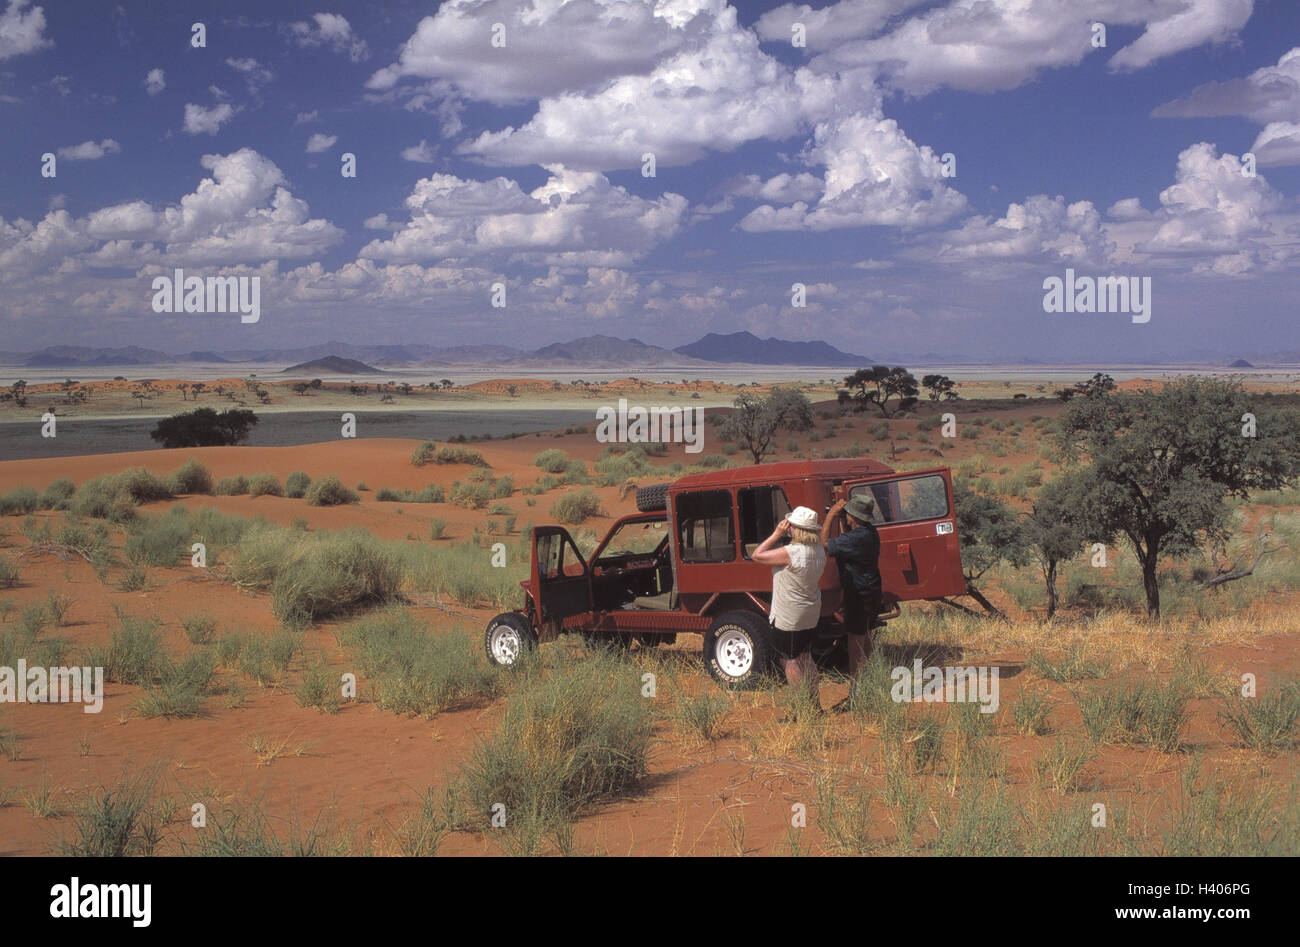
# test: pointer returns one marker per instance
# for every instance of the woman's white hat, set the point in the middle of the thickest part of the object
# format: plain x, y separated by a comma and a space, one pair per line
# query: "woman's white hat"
802, 517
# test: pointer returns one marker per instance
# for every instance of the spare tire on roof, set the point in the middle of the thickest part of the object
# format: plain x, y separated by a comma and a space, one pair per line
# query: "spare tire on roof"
652, 498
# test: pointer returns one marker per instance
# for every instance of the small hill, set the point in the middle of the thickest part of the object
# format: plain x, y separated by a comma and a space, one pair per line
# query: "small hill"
747, 347
1241, 363
331, 365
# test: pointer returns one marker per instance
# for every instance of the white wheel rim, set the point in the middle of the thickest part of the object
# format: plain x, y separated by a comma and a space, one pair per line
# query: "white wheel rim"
505, 644
734, 653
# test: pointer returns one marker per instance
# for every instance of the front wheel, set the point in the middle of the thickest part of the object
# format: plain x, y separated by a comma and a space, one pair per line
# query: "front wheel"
736, 649
508, 637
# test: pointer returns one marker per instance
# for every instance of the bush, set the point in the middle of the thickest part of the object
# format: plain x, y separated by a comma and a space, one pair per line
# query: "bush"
199, 629
57, 495
431, 453
231, 486
318, 689
295, 485
566, 741
264, 485
116, 821
134, 654
159, 540
266, 658
553, 461
329, 491
574, 508
190, 477
8, 572
21, 500
313, 576
415, 671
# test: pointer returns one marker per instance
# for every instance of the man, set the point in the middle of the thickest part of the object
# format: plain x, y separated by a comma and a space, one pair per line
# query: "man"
857, 557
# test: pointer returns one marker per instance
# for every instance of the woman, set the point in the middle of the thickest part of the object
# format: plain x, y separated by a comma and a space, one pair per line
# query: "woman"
796, 597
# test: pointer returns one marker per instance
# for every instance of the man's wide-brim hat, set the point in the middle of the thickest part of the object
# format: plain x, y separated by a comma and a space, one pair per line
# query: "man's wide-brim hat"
860, 507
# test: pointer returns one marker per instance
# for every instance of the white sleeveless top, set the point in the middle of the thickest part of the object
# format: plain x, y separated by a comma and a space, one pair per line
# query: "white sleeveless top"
796, 599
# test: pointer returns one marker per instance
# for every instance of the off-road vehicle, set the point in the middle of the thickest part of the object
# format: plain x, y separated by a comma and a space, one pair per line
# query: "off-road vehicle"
682, 563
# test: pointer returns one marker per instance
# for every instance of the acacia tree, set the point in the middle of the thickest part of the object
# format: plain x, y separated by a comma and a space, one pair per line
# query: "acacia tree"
940, 387
755, 421
990, 532
1161, 464
876, 385
1057, 527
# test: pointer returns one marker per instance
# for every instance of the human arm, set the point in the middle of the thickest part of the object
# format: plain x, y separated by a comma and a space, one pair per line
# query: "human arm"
832, 515
768, 552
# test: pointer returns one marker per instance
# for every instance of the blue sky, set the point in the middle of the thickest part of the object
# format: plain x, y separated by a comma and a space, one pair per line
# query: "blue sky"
775, 164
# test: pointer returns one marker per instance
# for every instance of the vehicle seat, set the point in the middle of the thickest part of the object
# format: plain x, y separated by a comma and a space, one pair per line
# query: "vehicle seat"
664, 601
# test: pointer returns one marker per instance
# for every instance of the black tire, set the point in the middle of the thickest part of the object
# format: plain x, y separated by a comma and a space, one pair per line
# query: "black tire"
737, 651
508, 637
653, 498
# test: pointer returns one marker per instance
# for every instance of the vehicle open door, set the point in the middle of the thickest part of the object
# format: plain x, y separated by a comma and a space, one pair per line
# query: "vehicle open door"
560, 575
919, 553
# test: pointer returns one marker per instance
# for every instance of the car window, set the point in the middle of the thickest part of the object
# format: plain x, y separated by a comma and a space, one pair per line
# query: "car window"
556, 556
907, 500
761, 508
704, 526
636, 539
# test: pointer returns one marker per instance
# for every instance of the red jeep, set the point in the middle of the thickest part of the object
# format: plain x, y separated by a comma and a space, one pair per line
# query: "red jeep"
682, 564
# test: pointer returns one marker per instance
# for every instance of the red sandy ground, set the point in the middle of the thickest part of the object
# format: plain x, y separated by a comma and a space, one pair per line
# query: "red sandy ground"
369, 767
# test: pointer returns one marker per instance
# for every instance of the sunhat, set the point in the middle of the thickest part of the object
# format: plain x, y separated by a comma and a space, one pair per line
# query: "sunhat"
802, 517
860, 507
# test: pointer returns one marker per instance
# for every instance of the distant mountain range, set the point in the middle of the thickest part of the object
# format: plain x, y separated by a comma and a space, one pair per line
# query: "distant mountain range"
592, 351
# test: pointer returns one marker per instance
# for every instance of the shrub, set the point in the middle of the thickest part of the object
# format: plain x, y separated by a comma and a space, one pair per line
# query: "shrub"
199, 629
264, 485
566, 741
329, 491
190, 477
553, 461
313, 576
57, 495
318, 689
431, 453
295, 485
158, 540
231, 486
1267, 723
8, 572
133, 655
21, 500
574, 508
115, 821
266, 658
415, 671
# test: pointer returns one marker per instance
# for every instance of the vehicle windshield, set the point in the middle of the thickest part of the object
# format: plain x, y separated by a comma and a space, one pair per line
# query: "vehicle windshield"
632, 539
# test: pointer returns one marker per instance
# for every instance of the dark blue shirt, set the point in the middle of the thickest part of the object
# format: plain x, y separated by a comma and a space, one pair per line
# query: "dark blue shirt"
857, 556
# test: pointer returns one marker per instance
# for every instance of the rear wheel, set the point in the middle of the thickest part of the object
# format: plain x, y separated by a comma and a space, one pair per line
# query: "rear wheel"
736, 649
508, 637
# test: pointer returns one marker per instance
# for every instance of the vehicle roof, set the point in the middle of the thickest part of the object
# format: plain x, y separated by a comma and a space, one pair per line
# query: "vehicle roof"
836, 469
